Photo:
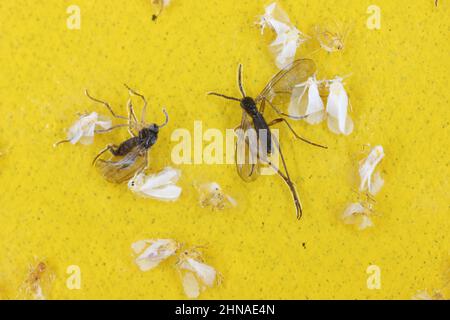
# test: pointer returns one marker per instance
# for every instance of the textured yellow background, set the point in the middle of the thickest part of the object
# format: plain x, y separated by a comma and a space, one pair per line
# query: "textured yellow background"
54, 205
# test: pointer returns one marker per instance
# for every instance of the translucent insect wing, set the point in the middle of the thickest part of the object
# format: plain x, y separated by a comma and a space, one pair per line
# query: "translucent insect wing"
279, 89
246, 153
122, 169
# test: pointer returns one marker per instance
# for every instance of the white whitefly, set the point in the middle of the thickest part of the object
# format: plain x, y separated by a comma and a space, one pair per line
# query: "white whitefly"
284, 47
196, 275
150, 253
212, 195
339, 121
358, 215
306, 102
370, 181
274, 18
288, 39
160, 186
84, 129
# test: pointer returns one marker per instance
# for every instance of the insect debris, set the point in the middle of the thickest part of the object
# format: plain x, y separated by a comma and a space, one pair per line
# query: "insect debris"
131, 156
276, 94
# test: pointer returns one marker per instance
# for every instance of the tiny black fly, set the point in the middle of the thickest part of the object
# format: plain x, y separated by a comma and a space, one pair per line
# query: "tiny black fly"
131, 156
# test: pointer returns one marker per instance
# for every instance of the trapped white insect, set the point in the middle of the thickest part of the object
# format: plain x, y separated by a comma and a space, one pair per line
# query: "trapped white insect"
371, 181
306, 101
195, 274
150, 253
331, 39
37, 283
84, 129
339, 121
161, 186
358, 214
288, 39
212, 195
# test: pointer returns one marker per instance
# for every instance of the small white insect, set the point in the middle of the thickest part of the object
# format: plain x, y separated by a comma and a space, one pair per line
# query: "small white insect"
424, 295
370, 181
212, 195
37, 283
84, 129
288, 39
161, 186
195, 274
274, 18
331, 39
339, 121
152, 252
358, 214
306, 101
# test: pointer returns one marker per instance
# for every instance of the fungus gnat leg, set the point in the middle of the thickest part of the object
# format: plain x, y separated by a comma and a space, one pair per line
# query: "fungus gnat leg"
131, 119
281, 112
297, 203
109, 147
144, 108
167, 119
110, 129
106, 104
287, 180
131, 115
275, 121
60, 142
241, 87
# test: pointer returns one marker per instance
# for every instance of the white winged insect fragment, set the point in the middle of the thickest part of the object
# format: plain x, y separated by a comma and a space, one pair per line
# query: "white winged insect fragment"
339, 121
150, 253
424, 295
159, 5
358, 214
306, 101
330, 40
371, 181
212, 195
195, 274
84, 129
160, 186
288, 39
37, 282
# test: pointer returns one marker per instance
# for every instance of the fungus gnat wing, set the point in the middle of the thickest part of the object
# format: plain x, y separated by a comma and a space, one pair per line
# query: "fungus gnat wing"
246, 152
278, 91
122, 169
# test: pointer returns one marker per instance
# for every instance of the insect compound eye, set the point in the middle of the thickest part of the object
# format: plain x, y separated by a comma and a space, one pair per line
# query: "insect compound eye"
154, 128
